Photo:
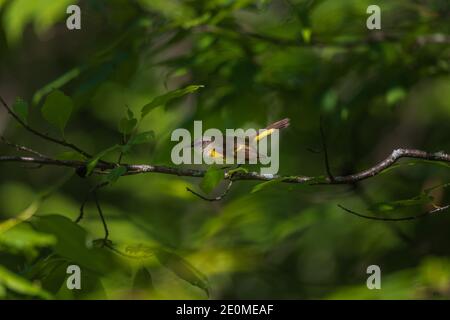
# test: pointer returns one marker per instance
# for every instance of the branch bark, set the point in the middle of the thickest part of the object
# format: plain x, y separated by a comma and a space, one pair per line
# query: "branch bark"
133, 169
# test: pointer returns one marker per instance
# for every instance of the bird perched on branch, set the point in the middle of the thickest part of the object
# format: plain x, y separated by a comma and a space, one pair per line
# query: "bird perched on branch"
244, 143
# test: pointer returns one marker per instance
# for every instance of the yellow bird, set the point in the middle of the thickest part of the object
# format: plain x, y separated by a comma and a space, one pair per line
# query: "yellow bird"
215, 151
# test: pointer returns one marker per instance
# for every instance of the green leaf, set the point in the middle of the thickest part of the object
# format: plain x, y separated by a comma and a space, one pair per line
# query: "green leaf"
57, 83
167, 97
57, 109
20, 13
130, 113
140, 138
183, 269
2, 292
428, 162
266, 184
211, 179
395, 95
420, 200
20, 107
127, 125
143, 280
115, 174
439, 186
143, 137
138, 251
238, 169
306, 34
93, 163
330, 100
20, 285
22, 238
72, 242
50, 272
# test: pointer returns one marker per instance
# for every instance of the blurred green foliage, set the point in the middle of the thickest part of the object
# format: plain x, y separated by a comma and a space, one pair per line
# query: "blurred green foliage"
139, 69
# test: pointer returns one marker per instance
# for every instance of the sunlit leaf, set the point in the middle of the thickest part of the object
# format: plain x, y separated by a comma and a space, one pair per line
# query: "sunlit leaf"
43, 14
394, 205
395, 95
266, 184
20, 285
22, 238
139, 251
306, 34
236, 170
183, 269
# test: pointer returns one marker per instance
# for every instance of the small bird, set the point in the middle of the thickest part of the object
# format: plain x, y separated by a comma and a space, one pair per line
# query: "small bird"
215, 151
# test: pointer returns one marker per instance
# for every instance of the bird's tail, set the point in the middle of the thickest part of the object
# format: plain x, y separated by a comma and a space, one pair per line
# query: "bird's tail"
279, 124
270, 128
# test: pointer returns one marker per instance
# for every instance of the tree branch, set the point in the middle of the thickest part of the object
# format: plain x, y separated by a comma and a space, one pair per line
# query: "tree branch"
133, 169
42, 135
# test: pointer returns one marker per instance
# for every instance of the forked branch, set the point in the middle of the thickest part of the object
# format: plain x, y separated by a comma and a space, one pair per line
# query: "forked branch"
133, 169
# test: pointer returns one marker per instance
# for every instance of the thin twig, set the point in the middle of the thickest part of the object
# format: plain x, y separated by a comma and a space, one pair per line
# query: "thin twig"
94, 189
123, 142
42, 135
218, 198
81, 214
359, 190
105, 226
437, 210
22, 148
325, 150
